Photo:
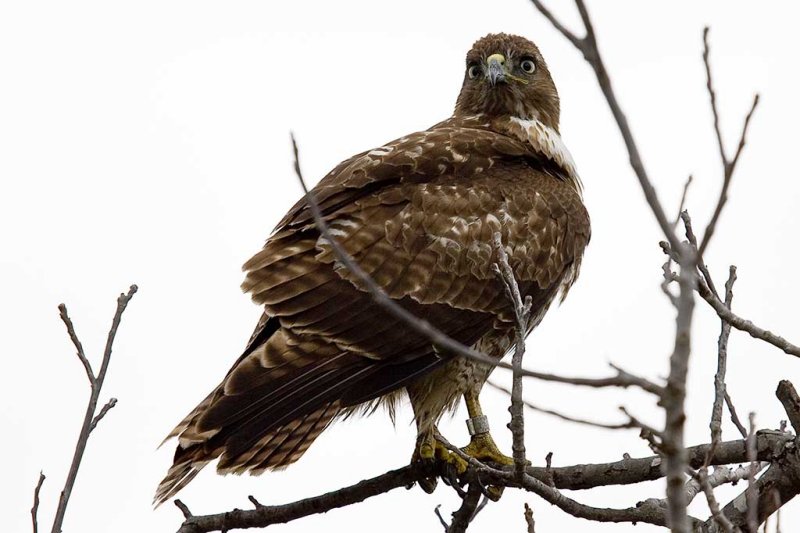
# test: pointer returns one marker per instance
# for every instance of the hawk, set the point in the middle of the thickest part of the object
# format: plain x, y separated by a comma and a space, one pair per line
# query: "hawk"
418, 214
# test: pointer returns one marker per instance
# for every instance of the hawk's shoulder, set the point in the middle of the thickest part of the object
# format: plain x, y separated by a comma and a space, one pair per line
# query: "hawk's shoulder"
457, 147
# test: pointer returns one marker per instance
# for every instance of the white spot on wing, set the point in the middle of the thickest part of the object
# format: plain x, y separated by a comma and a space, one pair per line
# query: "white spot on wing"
337, 232
383, 150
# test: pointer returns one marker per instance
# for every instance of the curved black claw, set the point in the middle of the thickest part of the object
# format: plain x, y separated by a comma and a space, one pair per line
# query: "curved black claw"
493, 492
428, 484
450, 477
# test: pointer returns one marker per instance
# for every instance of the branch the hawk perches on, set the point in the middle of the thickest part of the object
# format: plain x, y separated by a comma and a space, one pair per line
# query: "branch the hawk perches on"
418, 215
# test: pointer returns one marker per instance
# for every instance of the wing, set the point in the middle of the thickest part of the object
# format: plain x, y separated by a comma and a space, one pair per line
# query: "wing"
418, 215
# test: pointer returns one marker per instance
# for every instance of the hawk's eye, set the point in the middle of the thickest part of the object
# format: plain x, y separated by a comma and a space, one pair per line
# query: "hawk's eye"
527, 65
473, 71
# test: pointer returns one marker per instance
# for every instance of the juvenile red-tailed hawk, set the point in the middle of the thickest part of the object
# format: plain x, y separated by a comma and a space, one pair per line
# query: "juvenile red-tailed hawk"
418, 214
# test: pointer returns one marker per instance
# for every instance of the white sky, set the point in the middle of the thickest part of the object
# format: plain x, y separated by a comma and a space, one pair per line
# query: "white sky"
148, 143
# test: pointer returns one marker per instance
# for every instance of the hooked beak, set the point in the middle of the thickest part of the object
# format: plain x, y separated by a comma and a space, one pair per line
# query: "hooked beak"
495, 69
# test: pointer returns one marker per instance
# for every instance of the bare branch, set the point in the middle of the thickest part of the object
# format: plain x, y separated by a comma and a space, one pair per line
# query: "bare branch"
650, 511
529, 519
672, 400
96, 386
728, 165
701, 265
751, 493
469, 508
568, 418
734, 416
187, 514
705, 288
522, 311
713, 97
713, 504
62, 311
571, 37
722, 475
745, 325
791, 403
591, 52
778, 485
35, 508
442, 521
722, 364
770, 445
279, 514
109, 405
623, 380
683, 199
548, 470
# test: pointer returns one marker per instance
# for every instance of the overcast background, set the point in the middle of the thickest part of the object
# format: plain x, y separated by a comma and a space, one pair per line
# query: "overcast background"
147, 143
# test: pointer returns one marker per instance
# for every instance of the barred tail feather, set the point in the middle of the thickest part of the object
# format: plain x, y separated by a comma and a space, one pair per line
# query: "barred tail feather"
275, 450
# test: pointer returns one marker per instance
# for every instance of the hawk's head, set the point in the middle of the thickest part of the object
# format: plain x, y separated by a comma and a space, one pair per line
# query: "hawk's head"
507, 76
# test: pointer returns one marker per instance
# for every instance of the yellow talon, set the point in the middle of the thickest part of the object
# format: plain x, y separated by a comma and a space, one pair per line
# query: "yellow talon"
483, 448
430, 449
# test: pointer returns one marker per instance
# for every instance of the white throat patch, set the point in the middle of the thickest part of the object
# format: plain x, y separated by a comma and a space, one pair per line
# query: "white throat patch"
547, 142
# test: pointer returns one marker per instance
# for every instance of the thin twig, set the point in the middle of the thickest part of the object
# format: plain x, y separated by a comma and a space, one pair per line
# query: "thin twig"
728, 165
562, 416
734, 416
713, 504
442, 521
187, 514
96, 382
683, 200
751, 492
705, 291
745, 325
522, 311
591, 52
623, 379
790, 400
701, 265
722, 475
87, 366
529, 519
722, 361
35, 508
481, 505
109, 405
571, 37
548, 469
463, 516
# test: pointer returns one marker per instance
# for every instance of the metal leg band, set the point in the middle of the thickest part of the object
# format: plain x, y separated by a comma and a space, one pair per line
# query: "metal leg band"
478, 425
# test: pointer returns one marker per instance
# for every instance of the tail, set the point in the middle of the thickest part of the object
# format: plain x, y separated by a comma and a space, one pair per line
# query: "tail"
276, 450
